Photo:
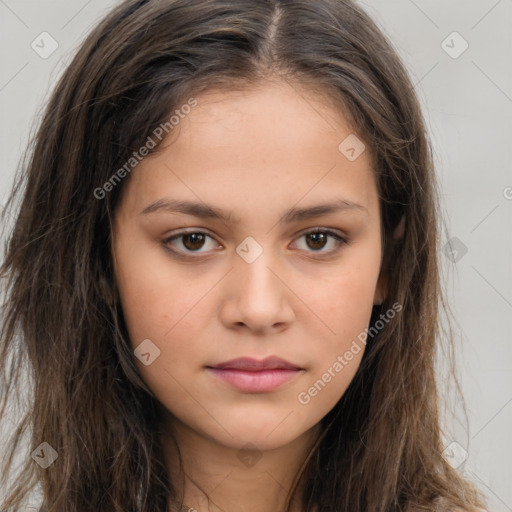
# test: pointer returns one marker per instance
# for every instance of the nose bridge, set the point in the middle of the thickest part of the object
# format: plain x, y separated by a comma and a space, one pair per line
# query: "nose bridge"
255, 261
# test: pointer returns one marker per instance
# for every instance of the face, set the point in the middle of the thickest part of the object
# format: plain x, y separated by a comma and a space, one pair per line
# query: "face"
279, 258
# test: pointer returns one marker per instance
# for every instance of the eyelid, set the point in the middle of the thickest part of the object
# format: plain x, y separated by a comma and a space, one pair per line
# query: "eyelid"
322, 229
187, 231
341, 240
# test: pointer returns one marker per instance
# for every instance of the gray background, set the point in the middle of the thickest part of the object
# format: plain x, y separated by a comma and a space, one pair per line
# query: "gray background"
468, 105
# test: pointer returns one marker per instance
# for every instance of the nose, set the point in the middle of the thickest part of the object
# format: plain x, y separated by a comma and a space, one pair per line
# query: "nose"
257, 296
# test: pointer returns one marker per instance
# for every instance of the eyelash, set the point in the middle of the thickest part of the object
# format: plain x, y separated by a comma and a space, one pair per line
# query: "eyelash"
340, 241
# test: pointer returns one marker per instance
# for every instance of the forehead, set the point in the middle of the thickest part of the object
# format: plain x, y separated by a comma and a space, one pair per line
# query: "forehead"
278, 114
271, 144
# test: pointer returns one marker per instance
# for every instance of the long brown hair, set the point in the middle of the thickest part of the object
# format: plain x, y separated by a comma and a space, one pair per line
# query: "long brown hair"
62, 324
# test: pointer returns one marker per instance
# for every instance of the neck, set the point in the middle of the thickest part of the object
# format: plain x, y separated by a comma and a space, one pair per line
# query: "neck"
216, 478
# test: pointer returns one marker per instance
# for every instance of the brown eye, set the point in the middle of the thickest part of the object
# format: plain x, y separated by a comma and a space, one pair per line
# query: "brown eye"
193, 241
318, 239
190, 242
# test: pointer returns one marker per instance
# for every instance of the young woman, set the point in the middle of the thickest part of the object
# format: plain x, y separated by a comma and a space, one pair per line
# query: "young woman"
223, 271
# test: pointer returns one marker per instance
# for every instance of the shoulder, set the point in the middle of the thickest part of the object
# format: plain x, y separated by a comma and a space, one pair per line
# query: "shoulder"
412, 509
468, 510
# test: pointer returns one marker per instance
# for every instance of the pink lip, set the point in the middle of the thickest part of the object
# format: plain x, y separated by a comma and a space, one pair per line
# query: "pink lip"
250, 364
251, 375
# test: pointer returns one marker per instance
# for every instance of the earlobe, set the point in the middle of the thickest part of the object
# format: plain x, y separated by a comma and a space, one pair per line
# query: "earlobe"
380, 290
400, 229
382, 286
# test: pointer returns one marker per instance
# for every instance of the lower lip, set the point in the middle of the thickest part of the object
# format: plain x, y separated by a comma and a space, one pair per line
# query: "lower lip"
255, 381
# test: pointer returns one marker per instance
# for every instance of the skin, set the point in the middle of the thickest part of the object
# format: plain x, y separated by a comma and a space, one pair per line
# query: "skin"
256, 154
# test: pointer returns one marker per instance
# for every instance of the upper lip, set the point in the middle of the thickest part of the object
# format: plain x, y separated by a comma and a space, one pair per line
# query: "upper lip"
250, 364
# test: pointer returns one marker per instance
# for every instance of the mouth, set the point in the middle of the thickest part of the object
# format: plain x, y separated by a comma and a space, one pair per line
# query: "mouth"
251, 375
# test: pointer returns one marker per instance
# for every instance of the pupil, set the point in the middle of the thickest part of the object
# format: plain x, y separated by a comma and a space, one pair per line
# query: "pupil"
197, 240
316, 237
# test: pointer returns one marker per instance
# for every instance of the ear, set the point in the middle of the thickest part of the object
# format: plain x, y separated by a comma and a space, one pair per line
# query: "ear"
381, 290
400, 229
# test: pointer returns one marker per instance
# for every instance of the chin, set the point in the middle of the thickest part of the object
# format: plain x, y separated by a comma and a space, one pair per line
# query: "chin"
266, 432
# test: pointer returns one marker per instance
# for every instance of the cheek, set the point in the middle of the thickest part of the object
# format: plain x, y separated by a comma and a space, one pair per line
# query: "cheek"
169, 312
342, 301
342, 307
156, 298
336, 356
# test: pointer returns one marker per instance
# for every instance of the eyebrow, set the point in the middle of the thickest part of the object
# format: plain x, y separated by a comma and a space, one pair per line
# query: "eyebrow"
204, 211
